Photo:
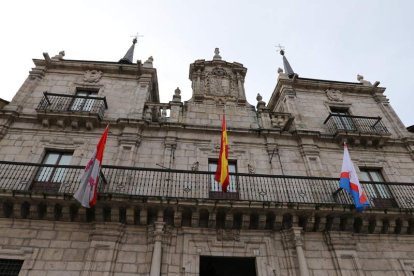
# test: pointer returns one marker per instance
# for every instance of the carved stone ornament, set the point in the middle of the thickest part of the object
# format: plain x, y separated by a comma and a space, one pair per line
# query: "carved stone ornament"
219, 72
334, 95
219, 83
194, 167
92, 76
251, 169
228, 235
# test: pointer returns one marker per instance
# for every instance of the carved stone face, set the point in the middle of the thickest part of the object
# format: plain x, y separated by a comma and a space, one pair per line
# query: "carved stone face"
218, 72
334, 95
92, 76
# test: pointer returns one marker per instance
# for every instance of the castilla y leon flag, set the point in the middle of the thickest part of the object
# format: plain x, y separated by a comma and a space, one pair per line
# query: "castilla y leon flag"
349, 182
222, 172
87, 191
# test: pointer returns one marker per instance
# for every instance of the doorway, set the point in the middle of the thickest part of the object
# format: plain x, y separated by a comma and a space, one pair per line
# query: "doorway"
227, 266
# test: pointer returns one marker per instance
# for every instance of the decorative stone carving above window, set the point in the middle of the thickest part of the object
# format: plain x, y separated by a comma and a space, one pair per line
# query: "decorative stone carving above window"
219, 83
219, 72
228, 235
334, 95
92, 76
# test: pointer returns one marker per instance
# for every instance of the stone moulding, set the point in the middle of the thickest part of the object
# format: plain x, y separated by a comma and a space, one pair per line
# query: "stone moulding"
275, 217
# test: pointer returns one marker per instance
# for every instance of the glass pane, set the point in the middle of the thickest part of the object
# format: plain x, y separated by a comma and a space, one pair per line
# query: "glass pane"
82, 93
376, 176
51, 158
215, 186
65, 159
45, 172
365, 176
232, 184
212, 167
59, 174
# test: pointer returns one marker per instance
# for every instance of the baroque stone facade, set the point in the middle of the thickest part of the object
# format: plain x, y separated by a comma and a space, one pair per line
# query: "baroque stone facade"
160, 212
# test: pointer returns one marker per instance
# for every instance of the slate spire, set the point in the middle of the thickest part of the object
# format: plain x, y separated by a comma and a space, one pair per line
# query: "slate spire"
288, 69
129, 56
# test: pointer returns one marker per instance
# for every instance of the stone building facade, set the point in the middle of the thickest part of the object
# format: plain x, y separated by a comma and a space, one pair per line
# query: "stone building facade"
159, 210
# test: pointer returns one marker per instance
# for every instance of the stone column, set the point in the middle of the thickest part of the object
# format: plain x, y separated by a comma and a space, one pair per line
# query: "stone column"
298, 241
156, 253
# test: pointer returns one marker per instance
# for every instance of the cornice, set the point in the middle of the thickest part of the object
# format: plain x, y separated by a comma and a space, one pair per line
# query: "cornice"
319, 84
106, 67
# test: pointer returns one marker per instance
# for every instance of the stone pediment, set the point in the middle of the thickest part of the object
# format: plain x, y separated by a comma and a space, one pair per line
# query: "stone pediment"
218, 79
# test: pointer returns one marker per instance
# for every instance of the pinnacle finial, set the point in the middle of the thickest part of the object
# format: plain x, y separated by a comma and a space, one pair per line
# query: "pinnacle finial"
217, 54
281, 49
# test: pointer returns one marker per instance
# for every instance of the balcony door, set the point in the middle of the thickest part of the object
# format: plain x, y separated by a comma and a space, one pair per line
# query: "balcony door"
215, 187
49, 178
81, 102
228, 266
379, 191
342, 119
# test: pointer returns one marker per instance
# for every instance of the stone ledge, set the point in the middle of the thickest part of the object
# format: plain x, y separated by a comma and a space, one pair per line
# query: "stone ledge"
226, 215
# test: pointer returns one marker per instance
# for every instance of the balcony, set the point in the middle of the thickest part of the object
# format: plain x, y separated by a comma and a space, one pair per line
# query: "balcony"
73, 110
157, 112
129, 182
357, 129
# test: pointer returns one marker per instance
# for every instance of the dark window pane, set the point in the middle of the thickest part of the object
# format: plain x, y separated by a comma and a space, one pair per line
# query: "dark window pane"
10, 267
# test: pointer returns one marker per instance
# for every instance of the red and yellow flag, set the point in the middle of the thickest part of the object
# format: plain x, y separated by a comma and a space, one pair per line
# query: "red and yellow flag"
222, 172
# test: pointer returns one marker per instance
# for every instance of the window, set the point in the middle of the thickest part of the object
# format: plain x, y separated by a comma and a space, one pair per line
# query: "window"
374, 175
380, 192
342, 118
215, 186
49, 178
82, 102
10, 267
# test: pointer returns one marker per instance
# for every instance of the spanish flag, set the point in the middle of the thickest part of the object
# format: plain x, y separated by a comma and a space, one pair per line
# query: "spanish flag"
222, 172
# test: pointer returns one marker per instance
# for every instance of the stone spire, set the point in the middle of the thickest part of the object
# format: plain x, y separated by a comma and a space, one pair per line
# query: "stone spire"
129, 56
286, 65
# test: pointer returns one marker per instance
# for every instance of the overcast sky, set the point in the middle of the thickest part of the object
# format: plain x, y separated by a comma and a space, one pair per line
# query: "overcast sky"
334, 40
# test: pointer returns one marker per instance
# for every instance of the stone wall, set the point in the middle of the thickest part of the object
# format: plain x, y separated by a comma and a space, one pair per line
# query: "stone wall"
70, 248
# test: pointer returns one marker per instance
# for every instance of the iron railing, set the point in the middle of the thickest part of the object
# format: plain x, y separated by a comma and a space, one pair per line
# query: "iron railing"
355, 124
145, 182
52, 102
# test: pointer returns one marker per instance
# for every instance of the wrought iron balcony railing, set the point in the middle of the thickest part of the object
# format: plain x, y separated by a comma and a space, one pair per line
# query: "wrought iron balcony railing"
52, 102
338, 123
142, 182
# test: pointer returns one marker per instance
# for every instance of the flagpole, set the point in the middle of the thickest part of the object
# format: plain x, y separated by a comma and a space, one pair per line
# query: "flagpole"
335, 194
